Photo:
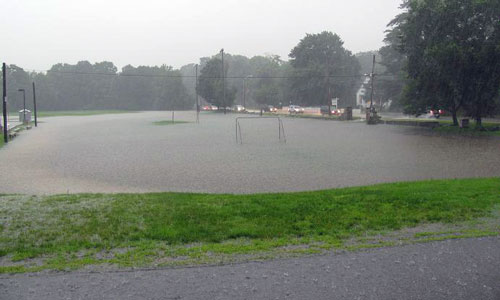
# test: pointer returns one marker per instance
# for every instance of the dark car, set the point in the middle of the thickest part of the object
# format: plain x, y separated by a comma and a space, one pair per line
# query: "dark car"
269, 108
435, 113
325, 111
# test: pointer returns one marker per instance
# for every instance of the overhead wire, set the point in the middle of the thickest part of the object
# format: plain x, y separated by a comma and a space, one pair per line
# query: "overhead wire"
212, 77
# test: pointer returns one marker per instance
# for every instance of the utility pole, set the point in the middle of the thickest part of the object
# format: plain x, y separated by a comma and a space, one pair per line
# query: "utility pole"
372, 77
197, 98
372, 114
223, 81
34, 103
4, 103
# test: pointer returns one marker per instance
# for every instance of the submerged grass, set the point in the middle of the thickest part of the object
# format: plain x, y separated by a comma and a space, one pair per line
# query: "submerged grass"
168, 122
70, 231
81, 112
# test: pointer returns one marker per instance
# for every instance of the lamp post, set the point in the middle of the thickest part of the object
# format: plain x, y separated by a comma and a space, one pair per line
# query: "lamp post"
24, 104
34, 104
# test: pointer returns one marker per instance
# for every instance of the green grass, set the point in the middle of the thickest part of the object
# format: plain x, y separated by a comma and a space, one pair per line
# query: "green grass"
71, 231
81, 113
472, 130
168, 122
2, 142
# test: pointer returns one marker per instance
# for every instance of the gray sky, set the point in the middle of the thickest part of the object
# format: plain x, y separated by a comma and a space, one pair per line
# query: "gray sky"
39, 33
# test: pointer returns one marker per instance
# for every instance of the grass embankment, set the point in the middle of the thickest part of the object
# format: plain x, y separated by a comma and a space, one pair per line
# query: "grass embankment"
168, 122
71, 231
487, 129
2, 142
81, 113
446, 127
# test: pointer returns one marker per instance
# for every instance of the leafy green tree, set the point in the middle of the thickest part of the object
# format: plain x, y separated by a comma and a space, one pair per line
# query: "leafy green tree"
210, 83
315, 61
453, 55
266, 88
393, 76
17, 78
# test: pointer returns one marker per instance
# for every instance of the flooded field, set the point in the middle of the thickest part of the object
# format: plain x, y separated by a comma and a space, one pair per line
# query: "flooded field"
128, 153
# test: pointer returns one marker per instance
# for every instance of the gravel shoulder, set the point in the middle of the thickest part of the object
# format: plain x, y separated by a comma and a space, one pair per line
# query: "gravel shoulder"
453, 269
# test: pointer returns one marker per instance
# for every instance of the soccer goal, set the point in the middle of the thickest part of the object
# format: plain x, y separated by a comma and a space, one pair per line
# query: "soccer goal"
281, 128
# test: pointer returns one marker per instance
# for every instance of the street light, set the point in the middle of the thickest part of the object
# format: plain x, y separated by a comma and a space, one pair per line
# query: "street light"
24, 104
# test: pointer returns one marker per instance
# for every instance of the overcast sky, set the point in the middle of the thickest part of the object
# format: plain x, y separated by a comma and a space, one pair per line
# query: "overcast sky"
39, 33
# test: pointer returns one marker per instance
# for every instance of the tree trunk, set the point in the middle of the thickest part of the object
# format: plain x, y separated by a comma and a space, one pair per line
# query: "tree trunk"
455, 119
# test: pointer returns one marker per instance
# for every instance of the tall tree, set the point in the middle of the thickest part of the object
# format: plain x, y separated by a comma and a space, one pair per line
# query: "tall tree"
210, 84
265, 87
453, 55
324, 69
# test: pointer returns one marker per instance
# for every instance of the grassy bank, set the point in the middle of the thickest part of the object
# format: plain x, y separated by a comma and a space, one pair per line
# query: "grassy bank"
488, 129
81, 113
71, 231
2, 142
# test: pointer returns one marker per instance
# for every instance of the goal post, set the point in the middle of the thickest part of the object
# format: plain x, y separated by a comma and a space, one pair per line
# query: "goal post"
281, 128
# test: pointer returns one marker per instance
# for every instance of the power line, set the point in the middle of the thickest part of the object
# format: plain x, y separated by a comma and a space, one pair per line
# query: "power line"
193, 76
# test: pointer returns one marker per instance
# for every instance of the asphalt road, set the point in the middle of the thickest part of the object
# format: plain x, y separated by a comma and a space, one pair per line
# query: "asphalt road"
455, 269
127, 153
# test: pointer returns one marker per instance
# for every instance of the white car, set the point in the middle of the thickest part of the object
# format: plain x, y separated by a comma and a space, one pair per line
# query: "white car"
295, 109
239, 108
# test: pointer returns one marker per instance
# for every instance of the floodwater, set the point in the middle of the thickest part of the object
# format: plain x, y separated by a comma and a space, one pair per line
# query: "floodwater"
127, 153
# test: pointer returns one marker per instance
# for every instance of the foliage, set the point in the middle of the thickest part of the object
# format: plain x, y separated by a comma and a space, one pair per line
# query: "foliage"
211, 84
315, 59
393, 78
99, 86
266, 88
453, 55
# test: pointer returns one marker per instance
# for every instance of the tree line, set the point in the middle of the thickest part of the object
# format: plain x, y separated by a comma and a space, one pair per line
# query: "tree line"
320, 68
86, 86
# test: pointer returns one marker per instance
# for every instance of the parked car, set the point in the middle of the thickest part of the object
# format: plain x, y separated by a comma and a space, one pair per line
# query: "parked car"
295, 109
239, 108
213, 107
206, 108
324, 111
270, 108
435, 113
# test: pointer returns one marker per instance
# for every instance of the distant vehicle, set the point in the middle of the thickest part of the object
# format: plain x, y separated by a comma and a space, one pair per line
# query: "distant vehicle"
295, 109
206, 108
239, 108
324, 111
270, 108
213, 107
435, 113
